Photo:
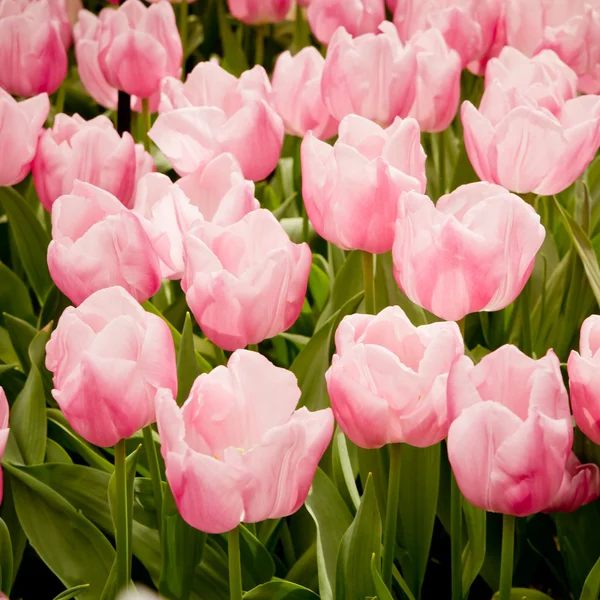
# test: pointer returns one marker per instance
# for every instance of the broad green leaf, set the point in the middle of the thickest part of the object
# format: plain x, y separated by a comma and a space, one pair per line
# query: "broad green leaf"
280, 590
6, 559
474, 551
343, 472
21, 335
380, 588
72, 592
318, 284
591, 587
195, 34
14, 296
54, 306
524, 594
55, 453
187, 367
233, 54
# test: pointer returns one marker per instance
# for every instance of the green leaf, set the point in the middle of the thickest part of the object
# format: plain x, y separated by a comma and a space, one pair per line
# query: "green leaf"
195, 34
361, 541
6, 559
280, 590
591, 587
55, 453
14, 296
187, 367
343, 472
30, 238
21, 335
233, 54
474, 552
72, 592
524, 594
318, 283
380, 588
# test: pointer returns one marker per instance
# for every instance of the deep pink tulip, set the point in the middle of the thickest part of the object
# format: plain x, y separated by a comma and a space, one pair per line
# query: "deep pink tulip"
20, 127
511, 431
239, 444
525, 111
473, 251
351, 190
139, 46
98, 243
372, 75
109, 357
356, 16
91, 151
246, 282
258, 12
387, 380
438, 81
297, 94
212, 113
32, 51
4, 429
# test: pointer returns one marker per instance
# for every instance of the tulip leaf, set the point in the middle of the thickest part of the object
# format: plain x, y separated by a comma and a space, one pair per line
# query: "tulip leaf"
14, 296
279, 589
6, 556
343, 472
233, 54
318, 284
72, 592
55, 453
591, 587
524, 594
21, 335
474, 552
31, 240
380, 588
187, 367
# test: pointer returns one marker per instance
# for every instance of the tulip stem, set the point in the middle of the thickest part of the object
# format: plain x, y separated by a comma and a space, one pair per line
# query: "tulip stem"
152, 458
121, 518
259, 50
369, 279
146, 124
235, 567
456, 538
391, 515
183, 32
506, 563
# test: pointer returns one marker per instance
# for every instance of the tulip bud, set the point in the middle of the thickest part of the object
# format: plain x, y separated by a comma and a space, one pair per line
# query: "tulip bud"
257, 12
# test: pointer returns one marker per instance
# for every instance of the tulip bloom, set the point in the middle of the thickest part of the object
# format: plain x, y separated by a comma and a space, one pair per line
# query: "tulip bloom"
91, 151
351, 190
387, 380
238, 444
554, 136
511, 432
109, 357
246, 282
20, 127
258, 12
473, 251
372, 75
297, 94
32, 51
98, 243
3, 432
356, 16
213, 113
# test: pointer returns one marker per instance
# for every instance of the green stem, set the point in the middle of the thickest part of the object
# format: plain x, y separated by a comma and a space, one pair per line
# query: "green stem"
526, 323
121, 520
235, 568
183, 32
304, 223
146, 122
506, 563
443, 162
152, 457
369, 280
391, 515
259, 51
456, 538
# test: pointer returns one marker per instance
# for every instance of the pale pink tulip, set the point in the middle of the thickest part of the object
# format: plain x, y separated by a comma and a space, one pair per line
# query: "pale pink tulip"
4, 429
258, 12
109, 357
20, 127
523, 113
473, 251
246, 282
351, 190
373, 75
212, 113
91, 151
387, 380
297, 92
356, 16
239, 444
98, 243
511, 431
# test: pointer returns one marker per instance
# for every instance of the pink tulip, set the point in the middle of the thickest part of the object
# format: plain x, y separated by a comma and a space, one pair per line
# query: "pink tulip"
438, 81
257, 12
356, 16
387, 380
138, 46
297, 92
91, 151
20, 127
4, 429
524, 113
473, 251
511, 431
98, 243
372, 75
246, 282
212, 113
351, 190
109, 357
238, 444
32, 52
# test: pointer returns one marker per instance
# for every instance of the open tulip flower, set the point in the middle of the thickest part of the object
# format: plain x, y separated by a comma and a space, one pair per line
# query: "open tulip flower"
238, 450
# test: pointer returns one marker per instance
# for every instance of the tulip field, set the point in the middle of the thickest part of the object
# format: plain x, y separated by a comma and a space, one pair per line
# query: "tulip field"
300, 300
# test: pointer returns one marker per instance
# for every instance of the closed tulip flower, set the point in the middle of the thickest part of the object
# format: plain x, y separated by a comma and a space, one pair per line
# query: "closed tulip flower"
246, 282
108, 358
239, 444
297, 93
3, 432
258, 12
372, 75
351, 189
473, 251
511, 431
387, 380
20, 127
555, 136
91, 151
98, 243
213, 113
356, 16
